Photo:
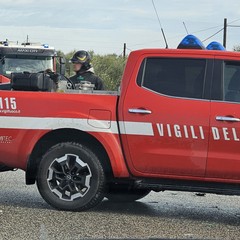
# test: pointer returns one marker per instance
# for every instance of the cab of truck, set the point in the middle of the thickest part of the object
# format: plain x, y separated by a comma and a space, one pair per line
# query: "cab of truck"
180, 113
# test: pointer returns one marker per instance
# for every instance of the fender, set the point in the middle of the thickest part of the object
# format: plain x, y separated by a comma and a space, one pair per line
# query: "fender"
30, 130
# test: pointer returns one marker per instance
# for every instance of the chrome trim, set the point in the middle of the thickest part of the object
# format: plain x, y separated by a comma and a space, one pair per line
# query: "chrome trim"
176, 97
224, 101
138, 110
227, 119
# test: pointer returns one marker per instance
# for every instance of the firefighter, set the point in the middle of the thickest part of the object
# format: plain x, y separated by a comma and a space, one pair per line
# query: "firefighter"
84, 70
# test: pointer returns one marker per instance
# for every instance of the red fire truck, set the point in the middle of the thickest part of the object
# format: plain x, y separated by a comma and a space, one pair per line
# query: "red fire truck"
25, 57
174, 125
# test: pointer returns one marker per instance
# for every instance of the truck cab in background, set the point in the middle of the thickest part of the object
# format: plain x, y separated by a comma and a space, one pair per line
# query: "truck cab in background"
25, 57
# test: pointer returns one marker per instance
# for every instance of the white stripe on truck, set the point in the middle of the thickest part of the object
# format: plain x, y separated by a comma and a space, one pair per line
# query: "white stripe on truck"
136, 128
88, 125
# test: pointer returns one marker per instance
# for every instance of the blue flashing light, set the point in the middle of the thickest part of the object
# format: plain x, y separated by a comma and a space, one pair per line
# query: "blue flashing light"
191, 42
215, 46
45, 45
5, 43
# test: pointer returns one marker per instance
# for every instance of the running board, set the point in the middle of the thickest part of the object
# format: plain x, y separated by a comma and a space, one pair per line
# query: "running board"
189, 186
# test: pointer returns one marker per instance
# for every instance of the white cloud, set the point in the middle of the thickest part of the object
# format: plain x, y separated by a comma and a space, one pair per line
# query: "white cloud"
105, 25
15, 2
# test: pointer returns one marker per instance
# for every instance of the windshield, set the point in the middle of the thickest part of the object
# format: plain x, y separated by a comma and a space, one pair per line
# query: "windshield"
31, 64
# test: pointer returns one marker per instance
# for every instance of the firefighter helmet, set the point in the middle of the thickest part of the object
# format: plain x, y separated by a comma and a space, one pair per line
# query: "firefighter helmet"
82, 57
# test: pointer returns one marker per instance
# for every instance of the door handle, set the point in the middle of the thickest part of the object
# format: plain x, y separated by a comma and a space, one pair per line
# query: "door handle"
139, 110
227, 119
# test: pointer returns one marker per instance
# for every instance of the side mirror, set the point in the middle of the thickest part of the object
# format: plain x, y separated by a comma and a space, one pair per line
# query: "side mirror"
62, 62
2, 60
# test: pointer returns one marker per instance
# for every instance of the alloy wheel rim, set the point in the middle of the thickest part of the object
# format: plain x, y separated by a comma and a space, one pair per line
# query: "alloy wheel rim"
69, 177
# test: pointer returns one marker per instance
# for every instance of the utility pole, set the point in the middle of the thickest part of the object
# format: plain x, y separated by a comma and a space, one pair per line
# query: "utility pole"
124, 50
225, 32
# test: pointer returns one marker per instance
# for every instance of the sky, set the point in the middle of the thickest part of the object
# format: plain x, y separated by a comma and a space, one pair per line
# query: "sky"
104, 26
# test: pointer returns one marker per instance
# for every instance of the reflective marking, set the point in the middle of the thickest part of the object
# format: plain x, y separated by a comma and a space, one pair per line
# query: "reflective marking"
35, 123
106, 126
136, 128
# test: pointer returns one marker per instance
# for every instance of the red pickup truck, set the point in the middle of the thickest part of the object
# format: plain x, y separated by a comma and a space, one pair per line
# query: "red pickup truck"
174, 125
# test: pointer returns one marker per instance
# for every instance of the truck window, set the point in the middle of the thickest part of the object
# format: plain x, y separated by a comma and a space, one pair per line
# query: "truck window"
231, 82
25, 63
174, 77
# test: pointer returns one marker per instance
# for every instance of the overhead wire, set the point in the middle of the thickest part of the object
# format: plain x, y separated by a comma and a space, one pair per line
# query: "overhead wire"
236, 20
233, 25
206, 29
202, 30
222, 29
103, 43
213, 35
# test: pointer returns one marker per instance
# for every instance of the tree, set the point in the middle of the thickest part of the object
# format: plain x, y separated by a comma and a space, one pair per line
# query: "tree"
110, 69
236, 48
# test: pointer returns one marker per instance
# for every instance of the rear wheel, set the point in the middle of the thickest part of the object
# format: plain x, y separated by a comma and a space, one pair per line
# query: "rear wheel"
125, 193
71, 177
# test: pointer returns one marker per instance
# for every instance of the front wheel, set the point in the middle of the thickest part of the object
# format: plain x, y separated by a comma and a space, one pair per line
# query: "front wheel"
70, 177
125, 193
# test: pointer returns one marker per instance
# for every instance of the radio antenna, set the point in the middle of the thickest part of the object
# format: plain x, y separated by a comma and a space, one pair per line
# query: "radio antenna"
165, 40
185, 27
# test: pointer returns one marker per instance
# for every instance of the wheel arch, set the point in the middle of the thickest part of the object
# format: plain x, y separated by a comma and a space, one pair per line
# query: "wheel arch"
66, 135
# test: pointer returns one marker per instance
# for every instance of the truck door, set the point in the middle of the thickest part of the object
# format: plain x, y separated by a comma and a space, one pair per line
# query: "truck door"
224, 145
165, 118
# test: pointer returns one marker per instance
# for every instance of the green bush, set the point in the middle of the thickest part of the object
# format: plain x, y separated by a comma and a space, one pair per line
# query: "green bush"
110, 69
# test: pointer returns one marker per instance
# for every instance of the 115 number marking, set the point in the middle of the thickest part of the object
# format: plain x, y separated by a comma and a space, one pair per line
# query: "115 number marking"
8, 103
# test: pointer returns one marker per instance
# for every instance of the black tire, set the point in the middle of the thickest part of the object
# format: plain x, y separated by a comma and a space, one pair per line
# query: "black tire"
125, 193
70, 177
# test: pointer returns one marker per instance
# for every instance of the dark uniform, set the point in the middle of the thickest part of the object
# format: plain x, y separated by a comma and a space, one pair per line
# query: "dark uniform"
90, 77
85, 73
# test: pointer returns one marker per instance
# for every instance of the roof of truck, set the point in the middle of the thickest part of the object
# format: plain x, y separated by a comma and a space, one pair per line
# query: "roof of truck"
192, 47
195, 53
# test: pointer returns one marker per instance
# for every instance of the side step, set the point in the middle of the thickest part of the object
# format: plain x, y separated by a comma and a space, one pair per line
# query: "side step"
188, 186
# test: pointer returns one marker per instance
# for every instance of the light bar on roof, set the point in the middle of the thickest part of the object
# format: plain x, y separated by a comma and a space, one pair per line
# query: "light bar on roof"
191, 42
215, 46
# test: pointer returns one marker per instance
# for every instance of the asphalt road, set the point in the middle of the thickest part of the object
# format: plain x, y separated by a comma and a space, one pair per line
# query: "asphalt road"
166, 215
